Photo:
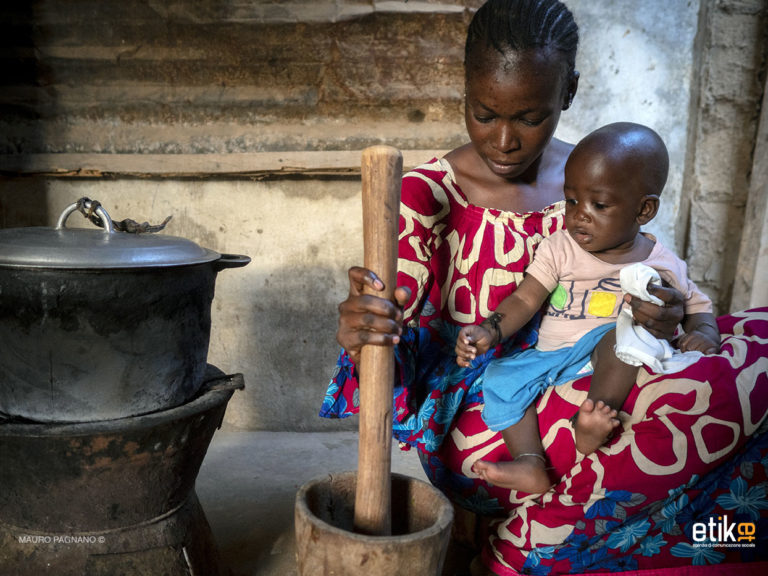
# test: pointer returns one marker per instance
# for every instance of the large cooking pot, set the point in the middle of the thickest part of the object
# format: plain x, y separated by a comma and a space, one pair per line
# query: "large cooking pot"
100, 324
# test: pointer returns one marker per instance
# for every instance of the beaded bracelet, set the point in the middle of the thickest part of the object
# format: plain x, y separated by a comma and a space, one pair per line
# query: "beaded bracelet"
493, 321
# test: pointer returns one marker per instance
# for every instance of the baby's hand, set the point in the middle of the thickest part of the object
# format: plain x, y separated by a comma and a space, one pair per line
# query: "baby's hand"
699, 342
472, 341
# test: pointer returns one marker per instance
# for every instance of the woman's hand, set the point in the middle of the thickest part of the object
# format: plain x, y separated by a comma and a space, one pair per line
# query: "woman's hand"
698, 342
701, 334
661, 321
368, 319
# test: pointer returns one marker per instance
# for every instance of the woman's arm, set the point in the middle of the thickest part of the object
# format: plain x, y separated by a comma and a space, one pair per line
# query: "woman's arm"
368, 319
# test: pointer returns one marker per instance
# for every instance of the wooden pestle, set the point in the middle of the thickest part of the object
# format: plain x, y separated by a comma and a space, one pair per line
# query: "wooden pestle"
381, 178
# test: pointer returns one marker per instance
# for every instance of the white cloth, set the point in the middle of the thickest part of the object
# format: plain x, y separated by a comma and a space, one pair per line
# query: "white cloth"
634, 344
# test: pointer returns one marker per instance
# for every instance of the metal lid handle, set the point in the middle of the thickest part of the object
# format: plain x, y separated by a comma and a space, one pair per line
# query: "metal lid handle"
90, 206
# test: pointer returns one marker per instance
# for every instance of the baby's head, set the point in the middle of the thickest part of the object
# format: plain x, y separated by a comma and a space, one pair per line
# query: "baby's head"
613, 180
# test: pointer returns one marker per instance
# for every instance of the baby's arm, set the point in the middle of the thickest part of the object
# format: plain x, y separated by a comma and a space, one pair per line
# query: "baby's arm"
701, 334
515, 311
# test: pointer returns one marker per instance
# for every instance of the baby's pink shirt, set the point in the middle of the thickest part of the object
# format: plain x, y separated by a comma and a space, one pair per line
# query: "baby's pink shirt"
586, 292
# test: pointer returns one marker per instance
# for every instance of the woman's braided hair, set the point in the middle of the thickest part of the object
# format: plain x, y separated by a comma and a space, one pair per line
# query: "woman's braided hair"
516, 25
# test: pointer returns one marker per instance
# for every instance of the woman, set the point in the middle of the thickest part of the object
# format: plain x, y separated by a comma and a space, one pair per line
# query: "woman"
469, 225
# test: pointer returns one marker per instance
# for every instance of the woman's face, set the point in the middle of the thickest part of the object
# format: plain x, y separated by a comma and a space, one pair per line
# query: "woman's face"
513, 104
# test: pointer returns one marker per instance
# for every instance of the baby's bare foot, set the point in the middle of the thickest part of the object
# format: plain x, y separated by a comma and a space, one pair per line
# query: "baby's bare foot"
594, 424
526, 473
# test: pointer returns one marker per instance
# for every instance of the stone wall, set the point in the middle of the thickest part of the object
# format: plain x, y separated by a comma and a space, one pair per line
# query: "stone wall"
728, 89
245, 121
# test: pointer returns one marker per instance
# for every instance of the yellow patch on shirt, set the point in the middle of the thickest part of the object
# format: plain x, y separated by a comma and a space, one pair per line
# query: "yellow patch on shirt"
601, 304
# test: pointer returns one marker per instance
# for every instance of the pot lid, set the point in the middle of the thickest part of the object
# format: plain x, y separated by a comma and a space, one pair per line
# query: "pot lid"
62, 247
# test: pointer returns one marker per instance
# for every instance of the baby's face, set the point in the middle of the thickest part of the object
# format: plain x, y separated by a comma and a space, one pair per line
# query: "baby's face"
602, 203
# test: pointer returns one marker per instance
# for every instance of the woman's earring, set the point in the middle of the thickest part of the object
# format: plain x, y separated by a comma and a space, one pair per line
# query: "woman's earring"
570, 101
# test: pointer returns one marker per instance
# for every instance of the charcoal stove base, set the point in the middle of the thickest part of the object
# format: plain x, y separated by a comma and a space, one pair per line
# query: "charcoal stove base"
180, 544
114, 497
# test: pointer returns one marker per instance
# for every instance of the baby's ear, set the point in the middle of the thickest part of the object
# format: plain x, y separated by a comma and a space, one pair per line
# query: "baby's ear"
648, 208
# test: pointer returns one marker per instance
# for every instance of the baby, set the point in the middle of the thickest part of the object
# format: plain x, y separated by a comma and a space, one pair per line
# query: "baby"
613, 180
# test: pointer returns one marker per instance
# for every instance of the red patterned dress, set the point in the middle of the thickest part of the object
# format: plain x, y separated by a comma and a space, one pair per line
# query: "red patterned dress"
690, 449
460, 261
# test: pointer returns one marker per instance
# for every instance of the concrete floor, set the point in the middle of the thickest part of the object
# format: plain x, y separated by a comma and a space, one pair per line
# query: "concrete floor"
248, 483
